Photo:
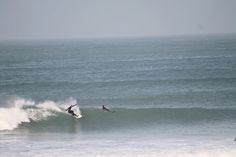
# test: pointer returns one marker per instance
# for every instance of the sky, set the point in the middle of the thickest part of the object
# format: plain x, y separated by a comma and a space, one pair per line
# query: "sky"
58, 19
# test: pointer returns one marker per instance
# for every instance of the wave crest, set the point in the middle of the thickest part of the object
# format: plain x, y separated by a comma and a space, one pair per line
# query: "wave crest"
24, 110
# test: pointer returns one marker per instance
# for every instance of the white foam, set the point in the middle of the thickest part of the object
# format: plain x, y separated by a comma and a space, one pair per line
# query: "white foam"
140, 153
201, 153
50, 105
20, 102
11, 117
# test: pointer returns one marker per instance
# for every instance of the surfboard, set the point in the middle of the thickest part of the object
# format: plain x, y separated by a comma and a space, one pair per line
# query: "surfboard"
77, 112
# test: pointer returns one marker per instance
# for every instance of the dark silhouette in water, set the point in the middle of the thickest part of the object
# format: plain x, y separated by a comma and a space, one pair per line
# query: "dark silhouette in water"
106, 109
69, 110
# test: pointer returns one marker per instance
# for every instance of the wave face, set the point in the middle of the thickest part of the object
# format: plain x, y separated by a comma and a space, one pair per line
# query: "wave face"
50, 115
95, 119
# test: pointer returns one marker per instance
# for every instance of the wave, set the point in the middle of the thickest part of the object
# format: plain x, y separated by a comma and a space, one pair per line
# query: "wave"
123, 117
51, 115
27, 111
94, 119
125, 82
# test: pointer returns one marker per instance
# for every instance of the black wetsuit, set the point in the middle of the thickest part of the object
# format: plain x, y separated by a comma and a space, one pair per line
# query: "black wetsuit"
104, 108
71, 111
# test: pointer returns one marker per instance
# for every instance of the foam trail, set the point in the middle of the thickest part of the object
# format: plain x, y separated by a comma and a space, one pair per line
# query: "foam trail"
49, 105
26, 110
10, 118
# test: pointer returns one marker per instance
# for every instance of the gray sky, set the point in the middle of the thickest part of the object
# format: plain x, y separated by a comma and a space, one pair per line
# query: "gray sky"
42, 19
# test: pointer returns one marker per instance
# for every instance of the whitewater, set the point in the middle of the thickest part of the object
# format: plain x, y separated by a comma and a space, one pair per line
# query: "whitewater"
172, 97
28, 111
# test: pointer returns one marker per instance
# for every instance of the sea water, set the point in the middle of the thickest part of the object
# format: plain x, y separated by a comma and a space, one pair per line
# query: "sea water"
172, 97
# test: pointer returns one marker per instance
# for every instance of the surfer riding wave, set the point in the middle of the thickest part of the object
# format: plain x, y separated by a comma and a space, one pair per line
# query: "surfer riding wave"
69, 110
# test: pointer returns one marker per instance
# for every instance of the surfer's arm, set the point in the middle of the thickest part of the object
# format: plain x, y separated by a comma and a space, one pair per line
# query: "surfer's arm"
69, 107
73, 105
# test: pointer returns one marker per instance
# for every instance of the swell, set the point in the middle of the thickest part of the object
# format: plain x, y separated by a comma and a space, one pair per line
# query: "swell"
219, 80
51, 116
96, 119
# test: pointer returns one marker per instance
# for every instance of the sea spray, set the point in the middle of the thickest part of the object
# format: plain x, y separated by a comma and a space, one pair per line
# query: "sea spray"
24, 110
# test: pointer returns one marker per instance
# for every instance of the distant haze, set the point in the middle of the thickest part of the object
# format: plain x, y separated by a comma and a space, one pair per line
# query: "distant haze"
46, 19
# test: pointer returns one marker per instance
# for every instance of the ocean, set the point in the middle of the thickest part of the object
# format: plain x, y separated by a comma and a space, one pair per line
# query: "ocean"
172, 96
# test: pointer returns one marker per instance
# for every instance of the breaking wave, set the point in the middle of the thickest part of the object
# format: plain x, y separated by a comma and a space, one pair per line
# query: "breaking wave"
26, 111
51, 115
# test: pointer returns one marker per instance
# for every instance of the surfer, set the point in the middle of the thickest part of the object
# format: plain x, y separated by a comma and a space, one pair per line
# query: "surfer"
69, 110
106, 109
